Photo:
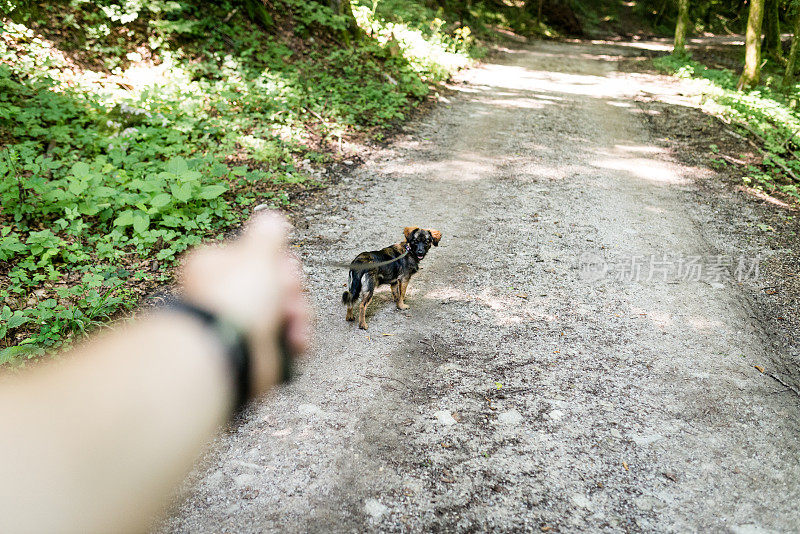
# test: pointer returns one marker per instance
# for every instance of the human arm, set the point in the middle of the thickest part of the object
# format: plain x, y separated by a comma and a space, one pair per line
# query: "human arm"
97, 441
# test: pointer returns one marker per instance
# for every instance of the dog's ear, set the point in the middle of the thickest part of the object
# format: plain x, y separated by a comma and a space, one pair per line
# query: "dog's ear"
408, 230
436, 235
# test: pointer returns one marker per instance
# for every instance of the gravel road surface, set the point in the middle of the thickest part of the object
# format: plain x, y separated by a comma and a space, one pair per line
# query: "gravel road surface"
575, 358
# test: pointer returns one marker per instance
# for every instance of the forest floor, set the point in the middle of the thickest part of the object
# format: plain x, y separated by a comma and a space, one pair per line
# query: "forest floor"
589, 348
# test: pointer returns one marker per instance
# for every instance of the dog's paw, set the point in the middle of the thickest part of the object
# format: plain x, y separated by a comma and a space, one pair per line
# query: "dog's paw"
362, 326
402, 306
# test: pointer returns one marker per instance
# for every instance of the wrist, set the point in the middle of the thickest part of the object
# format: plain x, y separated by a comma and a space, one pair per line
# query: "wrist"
232, 343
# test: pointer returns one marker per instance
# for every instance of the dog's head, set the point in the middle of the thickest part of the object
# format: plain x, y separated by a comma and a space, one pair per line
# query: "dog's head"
420, 240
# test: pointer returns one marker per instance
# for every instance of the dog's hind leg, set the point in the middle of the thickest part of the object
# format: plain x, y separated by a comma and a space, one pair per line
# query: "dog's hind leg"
395, 291
362, 311
369, 288
353, 290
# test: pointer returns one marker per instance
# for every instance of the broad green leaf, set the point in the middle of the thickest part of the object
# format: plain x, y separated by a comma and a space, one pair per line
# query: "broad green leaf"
182, 192
89, 208
125, 218
159, 201
77, 187
17, 320
177, 166
81, 170
212, 191
141, 222
189, 176
171, 221
9, 353
104, 191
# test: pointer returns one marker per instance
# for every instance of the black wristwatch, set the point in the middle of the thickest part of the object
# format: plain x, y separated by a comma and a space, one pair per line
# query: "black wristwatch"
237, 348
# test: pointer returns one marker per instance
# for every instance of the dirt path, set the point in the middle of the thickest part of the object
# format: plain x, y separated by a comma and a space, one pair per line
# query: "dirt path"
525, 390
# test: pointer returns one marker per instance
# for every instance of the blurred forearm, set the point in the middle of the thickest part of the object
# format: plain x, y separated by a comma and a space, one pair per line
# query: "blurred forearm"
96, 442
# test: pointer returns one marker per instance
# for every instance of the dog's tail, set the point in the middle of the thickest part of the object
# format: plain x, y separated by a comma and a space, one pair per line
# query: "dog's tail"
353, 287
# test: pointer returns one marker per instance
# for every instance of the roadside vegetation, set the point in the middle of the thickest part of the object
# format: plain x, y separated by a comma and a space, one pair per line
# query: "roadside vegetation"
767, 114
759, 101
133, 130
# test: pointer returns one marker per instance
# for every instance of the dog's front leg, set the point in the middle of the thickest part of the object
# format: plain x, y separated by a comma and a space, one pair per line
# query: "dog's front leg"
402, 292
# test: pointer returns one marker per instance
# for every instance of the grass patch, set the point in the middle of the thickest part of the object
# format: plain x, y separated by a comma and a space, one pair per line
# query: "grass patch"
767, 113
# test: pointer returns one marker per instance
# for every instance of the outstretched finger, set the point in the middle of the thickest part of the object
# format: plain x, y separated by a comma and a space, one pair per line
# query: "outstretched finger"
266, 231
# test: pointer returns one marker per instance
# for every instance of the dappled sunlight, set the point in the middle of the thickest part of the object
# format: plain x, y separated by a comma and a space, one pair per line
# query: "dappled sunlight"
640, 149
464, 167
647, 169
663, 319
505, 77
653, 45
626, 158
705, 324
523, 103
507, 309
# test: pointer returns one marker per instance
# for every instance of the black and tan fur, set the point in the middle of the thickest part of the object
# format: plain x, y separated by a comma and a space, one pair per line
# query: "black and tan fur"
396, 273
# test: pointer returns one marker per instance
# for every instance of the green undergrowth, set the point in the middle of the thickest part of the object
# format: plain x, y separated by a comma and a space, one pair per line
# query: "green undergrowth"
768, 113
132, 131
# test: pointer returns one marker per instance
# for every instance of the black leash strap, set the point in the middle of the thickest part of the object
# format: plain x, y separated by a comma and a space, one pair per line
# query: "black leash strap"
369, 265
365, 266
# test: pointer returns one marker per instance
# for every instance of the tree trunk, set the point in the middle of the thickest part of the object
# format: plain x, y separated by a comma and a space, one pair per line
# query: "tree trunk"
788, 76
258, 13
343, 7
680, 28
752, 42
772, 29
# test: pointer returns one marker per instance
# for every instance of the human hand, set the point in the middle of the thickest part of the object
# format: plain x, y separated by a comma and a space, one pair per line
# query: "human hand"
257, 285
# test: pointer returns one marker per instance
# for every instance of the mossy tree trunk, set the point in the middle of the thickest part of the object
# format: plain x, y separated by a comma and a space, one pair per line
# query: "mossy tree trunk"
258, 13
772, 29
788, 76
752, 43
681, 27
352, 32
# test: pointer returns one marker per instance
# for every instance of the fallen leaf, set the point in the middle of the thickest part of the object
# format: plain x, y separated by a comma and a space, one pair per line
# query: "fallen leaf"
625, 465
670, 476
385, 334
522, 296
760, 369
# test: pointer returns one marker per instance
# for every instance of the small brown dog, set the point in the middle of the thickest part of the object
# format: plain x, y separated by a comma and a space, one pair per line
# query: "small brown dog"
392, 265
